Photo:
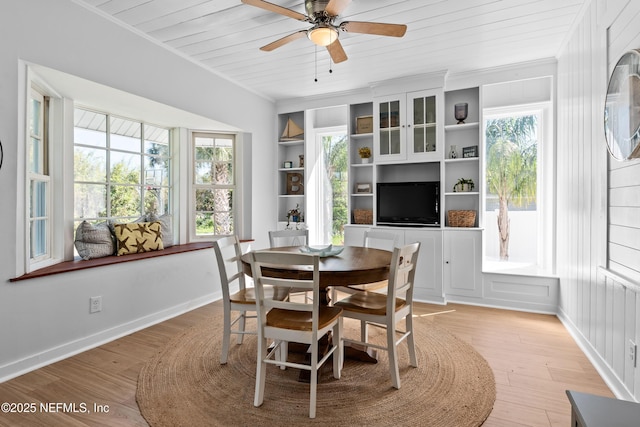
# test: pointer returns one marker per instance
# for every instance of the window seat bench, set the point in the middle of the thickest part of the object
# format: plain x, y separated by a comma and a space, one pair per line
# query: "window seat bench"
79, 264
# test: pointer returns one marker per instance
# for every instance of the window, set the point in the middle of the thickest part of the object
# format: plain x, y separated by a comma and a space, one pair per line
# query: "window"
39, 183
121, 168
214, 185
518, 200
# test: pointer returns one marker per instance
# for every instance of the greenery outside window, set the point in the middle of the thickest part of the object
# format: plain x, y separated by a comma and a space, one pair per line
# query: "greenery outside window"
121, 168
214, 184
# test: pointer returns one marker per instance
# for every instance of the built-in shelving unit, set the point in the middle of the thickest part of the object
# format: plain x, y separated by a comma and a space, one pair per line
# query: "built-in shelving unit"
361, 174
463, 140
291, 170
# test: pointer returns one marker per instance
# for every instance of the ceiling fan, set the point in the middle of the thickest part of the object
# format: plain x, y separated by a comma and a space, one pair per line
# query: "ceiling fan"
324, 32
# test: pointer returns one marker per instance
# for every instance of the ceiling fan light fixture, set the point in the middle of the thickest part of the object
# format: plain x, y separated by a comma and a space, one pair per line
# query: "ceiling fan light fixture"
323, 35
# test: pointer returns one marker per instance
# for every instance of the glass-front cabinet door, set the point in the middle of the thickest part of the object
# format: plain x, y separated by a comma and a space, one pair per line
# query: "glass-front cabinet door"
422, 138
389, 128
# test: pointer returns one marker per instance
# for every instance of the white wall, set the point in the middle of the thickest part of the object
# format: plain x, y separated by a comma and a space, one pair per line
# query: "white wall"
601, 309
46, 318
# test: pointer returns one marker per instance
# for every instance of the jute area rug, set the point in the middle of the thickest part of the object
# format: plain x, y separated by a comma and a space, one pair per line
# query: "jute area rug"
185, 385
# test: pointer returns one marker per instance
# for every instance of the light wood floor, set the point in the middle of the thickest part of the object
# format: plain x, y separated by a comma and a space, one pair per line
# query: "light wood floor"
533, 357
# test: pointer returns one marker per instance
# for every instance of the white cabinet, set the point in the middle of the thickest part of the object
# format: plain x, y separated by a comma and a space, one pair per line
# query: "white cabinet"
406, 126
428, 279
462, 253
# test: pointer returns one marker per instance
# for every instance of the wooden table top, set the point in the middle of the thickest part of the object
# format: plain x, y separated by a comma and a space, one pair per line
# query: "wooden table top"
355, 265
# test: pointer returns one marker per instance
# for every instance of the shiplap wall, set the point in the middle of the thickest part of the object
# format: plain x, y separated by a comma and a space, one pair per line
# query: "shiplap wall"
600, 308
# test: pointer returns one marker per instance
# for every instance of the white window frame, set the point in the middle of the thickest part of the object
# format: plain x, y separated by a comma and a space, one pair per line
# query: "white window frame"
546, 177
109, 150
56, 235
237, 197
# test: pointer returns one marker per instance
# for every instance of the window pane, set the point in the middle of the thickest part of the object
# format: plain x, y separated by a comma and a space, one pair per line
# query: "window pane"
38, 199
36, 157
125, 168
418, 139
90, 200
156, 171
511, 173
90, 128
224, 173
125, 135
35, 119
204, 224
204, 172
205, 153
418, 111
39, 238
125, 200
89, 164
156, 200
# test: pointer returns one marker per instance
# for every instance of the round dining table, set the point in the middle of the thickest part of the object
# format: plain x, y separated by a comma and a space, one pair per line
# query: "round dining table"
355, 265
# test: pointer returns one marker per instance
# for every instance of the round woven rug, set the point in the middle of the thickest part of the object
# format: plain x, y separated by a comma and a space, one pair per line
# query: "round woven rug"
185, 385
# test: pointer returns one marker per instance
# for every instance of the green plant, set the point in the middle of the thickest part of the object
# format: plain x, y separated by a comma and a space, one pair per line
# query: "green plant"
364, 152
463, 181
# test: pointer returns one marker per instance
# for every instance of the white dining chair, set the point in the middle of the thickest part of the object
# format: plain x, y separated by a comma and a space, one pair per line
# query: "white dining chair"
372, 239
388, 310
280, 238
286, 321
236, 296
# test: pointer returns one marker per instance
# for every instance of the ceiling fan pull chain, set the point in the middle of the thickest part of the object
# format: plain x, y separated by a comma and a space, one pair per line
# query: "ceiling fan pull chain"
315, 79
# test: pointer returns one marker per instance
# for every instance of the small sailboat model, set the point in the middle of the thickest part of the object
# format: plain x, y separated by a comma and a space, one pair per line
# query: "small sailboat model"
292, 132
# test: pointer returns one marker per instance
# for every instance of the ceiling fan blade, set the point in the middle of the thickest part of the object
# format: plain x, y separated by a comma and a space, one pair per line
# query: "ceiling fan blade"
380, 29
286, 39
337, 52
277, 9
335, 7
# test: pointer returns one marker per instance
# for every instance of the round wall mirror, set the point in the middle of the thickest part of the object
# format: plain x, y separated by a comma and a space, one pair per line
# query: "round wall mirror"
622, 108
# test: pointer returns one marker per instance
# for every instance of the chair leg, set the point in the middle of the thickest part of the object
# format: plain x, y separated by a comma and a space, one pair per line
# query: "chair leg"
284, 353
393, 356
314, 380
412, 348
261, 369
364, 333
226, 337
337, 353
241, 325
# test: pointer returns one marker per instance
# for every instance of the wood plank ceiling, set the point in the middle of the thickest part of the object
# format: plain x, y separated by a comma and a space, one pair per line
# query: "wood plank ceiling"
458, 36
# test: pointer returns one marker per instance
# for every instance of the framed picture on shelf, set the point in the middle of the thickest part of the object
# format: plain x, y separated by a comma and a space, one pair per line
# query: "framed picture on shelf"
470, 152
363, 187
288, 165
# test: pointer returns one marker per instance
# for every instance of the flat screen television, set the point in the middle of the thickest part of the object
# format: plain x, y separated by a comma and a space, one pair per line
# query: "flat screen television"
408, 203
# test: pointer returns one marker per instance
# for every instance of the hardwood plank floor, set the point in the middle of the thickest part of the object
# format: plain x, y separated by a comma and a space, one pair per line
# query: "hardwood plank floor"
533, 357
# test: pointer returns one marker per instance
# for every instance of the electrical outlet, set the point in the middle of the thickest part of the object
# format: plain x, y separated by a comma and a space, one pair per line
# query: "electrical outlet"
95, 304
633, 352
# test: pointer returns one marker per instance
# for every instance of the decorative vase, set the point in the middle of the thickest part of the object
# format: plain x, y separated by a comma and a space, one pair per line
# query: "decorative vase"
365, 159
460, 112
453, 153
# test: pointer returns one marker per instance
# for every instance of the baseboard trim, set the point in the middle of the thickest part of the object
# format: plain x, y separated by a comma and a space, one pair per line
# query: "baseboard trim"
608, 375
55, 354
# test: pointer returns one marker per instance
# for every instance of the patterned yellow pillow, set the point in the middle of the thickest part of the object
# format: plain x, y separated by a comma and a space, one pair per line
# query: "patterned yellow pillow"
136, 237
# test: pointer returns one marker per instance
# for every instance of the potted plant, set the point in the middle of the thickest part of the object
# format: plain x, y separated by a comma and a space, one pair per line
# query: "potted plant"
365, 154
294, 215
464, 185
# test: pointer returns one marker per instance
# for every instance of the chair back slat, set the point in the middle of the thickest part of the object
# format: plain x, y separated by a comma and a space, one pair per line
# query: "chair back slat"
402, 275
380, 240
286, 260
280, 238
228, 253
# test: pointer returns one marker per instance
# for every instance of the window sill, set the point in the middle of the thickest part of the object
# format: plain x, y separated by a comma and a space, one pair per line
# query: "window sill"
75, 265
